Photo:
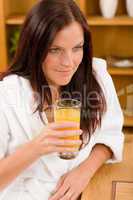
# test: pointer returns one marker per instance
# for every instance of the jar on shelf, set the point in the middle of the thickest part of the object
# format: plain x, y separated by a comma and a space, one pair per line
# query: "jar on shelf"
108, 8
129, 6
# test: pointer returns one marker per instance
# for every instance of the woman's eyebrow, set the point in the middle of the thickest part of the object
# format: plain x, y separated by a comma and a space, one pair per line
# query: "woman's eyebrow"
57, 46
81, 43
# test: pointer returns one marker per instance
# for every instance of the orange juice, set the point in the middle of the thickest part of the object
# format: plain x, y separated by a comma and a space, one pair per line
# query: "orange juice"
68, 110
71, 115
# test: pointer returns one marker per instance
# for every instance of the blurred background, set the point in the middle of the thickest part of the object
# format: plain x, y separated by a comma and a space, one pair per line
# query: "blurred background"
111, 24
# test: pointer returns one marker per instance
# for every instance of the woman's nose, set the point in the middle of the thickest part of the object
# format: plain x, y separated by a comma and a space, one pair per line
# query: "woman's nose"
67, 60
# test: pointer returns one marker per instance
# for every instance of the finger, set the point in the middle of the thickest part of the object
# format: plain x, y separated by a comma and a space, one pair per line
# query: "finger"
62, 149
68, 195
60, 182
60, 193
65, 124
62, 142
75, 197
65, 133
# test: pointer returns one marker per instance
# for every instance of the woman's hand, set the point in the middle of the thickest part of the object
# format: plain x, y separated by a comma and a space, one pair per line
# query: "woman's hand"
71, 185
50, 140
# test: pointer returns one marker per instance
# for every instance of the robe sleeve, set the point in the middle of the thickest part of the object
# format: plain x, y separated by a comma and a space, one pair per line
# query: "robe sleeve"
4, 128
110, 133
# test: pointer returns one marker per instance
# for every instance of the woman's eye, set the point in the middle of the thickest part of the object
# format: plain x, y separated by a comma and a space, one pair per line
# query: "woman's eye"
54, 50
78, 48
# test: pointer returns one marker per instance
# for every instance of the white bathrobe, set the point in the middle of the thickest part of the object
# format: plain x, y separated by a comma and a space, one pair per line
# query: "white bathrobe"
18, 125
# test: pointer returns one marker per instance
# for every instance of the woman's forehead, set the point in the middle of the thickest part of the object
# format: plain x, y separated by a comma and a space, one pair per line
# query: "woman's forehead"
72, 33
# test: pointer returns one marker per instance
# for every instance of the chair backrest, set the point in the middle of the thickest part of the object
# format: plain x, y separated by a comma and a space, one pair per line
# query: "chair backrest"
113, 180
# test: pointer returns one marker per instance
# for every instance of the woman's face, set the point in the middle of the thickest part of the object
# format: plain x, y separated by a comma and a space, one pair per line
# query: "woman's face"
64, 56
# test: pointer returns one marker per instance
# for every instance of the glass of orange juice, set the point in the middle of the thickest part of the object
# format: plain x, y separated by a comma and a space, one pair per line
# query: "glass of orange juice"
68, 110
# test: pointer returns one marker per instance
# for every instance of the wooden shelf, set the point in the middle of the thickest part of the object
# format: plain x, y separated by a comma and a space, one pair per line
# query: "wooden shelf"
122, 20
128, 121
15, 19
120, 71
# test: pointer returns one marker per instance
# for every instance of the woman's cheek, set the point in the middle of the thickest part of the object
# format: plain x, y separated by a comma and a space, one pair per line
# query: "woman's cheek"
79, 59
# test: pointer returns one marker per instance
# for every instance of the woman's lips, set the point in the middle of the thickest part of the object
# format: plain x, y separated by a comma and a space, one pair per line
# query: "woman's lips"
65, 72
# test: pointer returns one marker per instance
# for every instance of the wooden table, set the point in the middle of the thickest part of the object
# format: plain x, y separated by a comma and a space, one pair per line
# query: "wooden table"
113, 181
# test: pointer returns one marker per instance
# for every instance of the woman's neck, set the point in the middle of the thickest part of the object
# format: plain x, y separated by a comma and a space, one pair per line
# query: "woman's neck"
55, 92
49, 110
55, 96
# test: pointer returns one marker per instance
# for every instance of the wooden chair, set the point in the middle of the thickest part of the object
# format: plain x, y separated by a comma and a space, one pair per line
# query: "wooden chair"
113, 181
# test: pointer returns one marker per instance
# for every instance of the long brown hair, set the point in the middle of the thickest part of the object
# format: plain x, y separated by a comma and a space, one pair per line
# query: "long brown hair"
41, 25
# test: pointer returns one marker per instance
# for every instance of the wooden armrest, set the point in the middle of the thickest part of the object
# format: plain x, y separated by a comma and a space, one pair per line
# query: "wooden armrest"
102, 185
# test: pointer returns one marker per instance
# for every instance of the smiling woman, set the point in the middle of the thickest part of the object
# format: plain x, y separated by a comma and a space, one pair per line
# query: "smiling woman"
64, 55
54, 61
63, 26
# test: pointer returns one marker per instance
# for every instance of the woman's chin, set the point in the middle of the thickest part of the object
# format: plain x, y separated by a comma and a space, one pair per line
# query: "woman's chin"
64, 82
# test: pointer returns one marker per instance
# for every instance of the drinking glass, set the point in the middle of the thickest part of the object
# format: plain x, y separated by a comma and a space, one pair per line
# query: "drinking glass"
68, 110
